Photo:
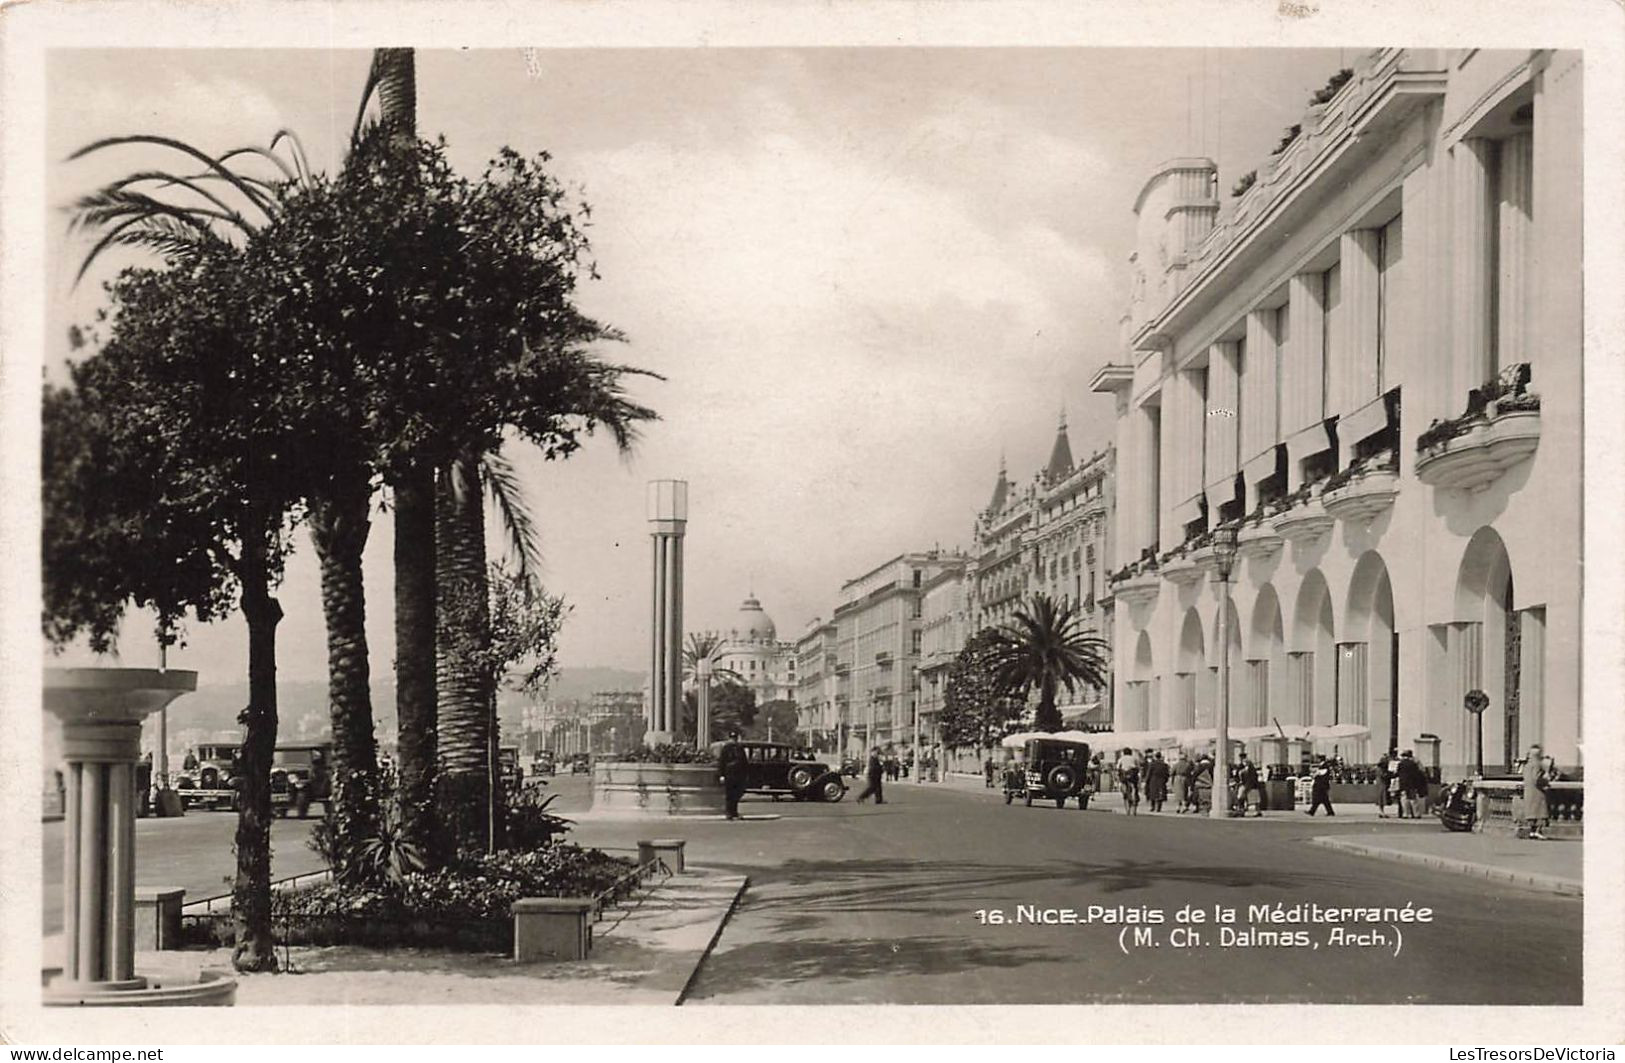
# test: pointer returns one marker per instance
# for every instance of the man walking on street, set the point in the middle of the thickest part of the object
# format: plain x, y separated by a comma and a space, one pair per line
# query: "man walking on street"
731, 766
877, 776
1320, 787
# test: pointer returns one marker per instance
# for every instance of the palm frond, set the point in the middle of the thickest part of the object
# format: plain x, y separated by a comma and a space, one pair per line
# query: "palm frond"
166, 179
301, 161
216, 166
161, 234
524, 540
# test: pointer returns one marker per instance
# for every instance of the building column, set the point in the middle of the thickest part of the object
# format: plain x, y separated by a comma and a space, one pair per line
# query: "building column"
1301, 368
1472, 251
1222, 424
1355, 378
668, 520
1513, 242
1258, 428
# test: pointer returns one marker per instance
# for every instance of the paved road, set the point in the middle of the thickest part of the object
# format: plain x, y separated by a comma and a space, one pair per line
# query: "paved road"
193, 852
854, 904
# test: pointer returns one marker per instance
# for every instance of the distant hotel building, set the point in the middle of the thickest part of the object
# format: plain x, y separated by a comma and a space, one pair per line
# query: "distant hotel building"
1050, 537
751, 650
1370, 360
859, 683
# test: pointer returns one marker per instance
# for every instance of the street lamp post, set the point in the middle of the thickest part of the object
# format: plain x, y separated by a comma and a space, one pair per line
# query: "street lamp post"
1224, 555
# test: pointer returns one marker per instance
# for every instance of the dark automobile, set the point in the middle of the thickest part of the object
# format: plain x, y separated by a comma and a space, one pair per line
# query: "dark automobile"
1056, 769
779, 770
579, 763
509, 770
211, 781
300, 777
543, 763
851, 767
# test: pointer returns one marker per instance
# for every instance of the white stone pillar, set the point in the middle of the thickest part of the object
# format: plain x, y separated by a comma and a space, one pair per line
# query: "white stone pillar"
668, 520
1301, 368
1258, 428
1223, 398
1513, 244
1356, 372
1471, 249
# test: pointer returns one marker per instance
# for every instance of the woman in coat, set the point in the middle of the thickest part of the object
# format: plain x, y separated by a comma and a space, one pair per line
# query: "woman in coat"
1536, 811
1181, 773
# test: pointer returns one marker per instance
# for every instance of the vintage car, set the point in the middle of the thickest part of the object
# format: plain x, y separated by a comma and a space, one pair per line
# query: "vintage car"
579, 763
509, 769
544, 763
778, 770
211, 781
300, 777
1052, 769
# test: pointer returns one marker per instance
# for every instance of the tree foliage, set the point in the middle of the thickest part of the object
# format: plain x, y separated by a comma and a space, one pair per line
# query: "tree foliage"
1043, 646
733, 708
977, 710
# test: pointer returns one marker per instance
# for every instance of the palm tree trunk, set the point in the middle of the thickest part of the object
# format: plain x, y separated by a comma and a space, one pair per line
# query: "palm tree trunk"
1048, 717
463, 647
251, 892
339, 526
414, 655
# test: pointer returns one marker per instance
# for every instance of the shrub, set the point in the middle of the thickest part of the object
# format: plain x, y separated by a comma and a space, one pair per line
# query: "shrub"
665, 753
1247, 181
530, 825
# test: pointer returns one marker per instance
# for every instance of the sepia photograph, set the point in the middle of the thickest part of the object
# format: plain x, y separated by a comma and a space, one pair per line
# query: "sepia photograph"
544, 511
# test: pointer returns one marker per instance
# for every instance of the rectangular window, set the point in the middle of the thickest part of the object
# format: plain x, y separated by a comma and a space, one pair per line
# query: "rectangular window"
1390, 253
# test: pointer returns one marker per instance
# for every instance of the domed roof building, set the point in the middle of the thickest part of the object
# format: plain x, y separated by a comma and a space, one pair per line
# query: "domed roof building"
751, 649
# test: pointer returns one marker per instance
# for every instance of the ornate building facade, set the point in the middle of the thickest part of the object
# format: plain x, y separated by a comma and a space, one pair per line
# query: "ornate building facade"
1367, 360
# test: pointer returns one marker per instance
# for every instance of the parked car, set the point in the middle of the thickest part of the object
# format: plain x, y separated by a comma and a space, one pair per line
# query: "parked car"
212, 781
300, 777
579, 763
1056, 769
509, 769
851, 767
544, 763
779, 770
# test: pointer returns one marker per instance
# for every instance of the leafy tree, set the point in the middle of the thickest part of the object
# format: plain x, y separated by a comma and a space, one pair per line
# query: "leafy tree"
1044, 646
186, 445
706, 646
778, 721
733, 707
977, 709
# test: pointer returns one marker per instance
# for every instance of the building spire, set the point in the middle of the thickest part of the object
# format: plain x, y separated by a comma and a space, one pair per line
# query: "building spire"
1060, 455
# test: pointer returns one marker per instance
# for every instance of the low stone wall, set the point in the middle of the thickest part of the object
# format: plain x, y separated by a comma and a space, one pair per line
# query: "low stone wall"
637, 789
1500, 807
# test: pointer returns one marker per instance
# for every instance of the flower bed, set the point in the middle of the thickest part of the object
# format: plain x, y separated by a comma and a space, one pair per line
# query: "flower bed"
464, 905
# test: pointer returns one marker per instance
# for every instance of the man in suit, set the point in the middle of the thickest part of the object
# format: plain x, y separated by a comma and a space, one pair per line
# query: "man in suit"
731, 766
877, 776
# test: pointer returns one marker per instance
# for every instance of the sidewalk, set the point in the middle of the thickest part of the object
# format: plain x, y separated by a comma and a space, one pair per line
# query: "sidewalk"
646, 953
1549, 866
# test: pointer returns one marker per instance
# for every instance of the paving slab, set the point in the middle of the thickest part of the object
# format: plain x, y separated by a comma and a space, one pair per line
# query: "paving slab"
1555, 866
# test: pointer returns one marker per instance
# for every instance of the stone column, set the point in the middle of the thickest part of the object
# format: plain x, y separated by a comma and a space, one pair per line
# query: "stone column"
1513, 241
1301, 368
668, 520
1356, 373
1471, 249
1223, 398
1258, 428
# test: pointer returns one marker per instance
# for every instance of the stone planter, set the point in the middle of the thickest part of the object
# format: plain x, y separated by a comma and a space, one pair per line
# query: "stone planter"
656, 790
1479, 456
1182, 570
1138, 589
1257, 541
1302, 523
1363, 497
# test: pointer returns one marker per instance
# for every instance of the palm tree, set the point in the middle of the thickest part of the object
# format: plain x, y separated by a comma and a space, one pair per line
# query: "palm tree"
706, 646
1044, 646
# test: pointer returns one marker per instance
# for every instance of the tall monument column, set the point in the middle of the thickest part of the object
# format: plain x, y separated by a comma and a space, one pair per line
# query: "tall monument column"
668, 517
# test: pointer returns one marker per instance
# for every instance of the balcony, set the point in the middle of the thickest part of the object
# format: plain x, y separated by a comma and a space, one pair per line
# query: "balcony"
1138, 583
1178, 565
1363, 490
1257, 538
883, 659
1499, 429
843, 668
1301, 517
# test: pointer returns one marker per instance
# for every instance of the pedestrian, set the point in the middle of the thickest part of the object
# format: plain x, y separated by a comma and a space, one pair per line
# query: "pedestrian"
1180, 773
1320, 787
1128, 779
1387, 780
876, 775
1156, 782
143, 786
1246, 786
1413, 787
1538, 773
1202, 783
733, 768
987, 770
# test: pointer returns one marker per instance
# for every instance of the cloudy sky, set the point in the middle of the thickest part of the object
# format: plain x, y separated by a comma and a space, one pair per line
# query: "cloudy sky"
866, 273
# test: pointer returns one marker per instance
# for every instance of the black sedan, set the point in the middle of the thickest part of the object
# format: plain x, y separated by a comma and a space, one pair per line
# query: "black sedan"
778, 770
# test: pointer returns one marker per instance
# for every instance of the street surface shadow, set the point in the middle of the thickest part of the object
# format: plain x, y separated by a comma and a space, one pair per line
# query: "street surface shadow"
777, 964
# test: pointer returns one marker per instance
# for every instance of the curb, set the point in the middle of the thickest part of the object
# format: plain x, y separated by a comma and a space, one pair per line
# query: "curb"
711, 945
1527, 879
